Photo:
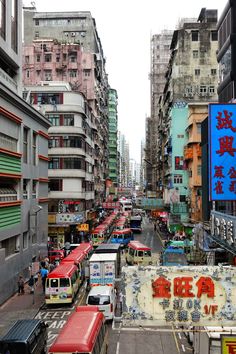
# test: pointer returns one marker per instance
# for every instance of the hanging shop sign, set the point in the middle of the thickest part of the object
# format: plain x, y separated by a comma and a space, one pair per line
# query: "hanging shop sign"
70, 218
194, 296
83, 227
222, 152
223, 227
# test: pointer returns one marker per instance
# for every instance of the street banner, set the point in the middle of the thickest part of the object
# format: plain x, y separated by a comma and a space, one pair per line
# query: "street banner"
222, 151
193, 296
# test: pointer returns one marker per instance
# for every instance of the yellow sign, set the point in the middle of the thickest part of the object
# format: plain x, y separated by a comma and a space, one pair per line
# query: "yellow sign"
51, 218
83, 227
228, 344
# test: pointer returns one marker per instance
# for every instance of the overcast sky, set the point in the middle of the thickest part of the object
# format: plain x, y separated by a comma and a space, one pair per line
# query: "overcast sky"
125, 28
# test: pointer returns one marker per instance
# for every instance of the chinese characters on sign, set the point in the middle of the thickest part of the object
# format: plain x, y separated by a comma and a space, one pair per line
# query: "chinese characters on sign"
223, 227
222, 130
197, 296
112, 205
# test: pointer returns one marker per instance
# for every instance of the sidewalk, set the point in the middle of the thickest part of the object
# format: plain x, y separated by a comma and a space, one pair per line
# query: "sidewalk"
19, 307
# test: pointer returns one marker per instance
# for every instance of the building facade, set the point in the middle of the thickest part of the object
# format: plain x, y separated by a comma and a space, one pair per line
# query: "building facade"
23, 162
191, 82
66, 47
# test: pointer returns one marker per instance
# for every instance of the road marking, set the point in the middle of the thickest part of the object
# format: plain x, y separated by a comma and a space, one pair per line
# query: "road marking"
183, 348
179, 336
118, 348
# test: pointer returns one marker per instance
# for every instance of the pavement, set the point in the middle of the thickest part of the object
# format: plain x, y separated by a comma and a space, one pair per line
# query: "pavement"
19, 307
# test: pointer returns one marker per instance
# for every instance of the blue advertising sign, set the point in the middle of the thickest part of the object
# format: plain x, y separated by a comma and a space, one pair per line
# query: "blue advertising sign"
222, 152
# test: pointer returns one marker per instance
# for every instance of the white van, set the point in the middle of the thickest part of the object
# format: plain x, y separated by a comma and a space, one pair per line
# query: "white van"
105, 298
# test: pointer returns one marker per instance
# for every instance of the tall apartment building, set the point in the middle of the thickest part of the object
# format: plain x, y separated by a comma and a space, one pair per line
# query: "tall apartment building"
191, 83
160, 52
113, 123
123, 148
66, 47
23, 162
72, 157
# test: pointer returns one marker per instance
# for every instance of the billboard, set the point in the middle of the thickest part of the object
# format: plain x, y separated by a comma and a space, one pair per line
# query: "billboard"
222, 151
228, 344
193, 296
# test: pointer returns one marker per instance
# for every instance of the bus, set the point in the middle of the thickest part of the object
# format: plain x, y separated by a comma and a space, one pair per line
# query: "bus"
62, 284
99, 235
123, 237
78, 258
86, 248
138, 253
121, 223
126, 205
84, 332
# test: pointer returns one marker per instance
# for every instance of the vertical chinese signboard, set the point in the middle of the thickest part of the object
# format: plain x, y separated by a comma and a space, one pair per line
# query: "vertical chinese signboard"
222, 152
194, 296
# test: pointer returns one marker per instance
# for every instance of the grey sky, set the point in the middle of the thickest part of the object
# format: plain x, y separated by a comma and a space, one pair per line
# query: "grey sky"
125, 28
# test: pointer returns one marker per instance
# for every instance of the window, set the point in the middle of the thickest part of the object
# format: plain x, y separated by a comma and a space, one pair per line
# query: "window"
54, 163
179, 162
195, 53
211, 90
86, 72
36, 35
34, 148
180, 136
25, 240
25, 144
182, 198
11, 245
14, 25
64, 56
58, 58
178, 179
48, 75
7, 142
199, 128
203, 90
68, 120
54, 119
197, 72
48, 58
34, 189
27, 74
214, 36
36, 22
38, 72
213, 72
195, 36
25, 188
38, 57
3, 18
54, 142
27, 59
72, 73
55, 185
199, 170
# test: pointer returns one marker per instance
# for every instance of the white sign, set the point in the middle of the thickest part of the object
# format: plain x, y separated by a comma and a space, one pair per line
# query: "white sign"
197, 296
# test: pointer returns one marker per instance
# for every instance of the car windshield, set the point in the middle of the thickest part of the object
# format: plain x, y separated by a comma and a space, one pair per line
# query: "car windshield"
99, 300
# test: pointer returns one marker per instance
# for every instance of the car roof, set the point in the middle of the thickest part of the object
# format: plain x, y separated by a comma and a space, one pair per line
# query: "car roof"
100, 290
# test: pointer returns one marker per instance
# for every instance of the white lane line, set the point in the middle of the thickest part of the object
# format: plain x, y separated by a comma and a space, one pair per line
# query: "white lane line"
179, 335
183, 348
118, 348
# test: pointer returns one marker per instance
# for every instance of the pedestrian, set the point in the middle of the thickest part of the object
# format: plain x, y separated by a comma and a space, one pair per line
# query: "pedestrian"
155, 226
121, 300
21, 285
31, 284
44, 274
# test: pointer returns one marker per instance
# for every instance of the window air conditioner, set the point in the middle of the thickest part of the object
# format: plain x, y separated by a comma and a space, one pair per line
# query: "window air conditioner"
66, 137
73, 34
